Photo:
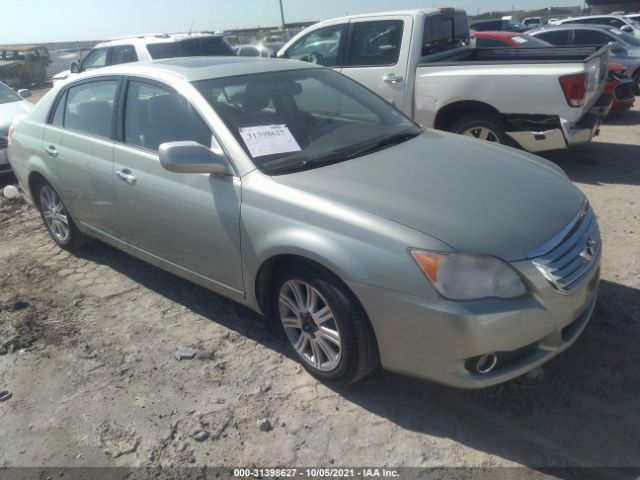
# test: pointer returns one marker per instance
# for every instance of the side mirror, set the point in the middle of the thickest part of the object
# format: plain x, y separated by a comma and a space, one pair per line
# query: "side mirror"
626, 28
192, 157
24, 92
75, 68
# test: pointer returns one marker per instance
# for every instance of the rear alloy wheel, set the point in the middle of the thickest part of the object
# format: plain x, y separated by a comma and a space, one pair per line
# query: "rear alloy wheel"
327, 328
487, 127
57, 220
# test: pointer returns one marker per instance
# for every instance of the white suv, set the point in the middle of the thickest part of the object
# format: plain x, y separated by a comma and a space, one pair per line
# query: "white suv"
148, 47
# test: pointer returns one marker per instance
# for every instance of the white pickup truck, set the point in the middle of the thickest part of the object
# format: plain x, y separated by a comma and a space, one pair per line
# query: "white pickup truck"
420, 60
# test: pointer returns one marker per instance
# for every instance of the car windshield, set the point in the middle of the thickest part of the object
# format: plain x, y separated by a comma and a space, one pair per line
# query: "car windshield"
297, 120
7, 95
625, 37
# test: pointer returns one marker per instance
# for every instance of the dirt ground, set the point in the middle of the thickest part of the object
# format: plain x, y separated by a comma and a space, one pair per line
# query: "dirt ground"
89, 341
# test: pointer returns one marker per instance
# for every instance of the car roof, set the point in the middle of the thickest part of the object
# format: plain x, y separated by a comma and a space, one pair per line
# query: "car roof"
192, 69
592, 16
576, 26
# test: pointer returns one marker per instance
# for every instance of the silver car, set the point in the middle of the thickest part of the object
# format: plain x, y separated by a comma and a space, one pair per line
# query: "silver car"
299, 193
12, 104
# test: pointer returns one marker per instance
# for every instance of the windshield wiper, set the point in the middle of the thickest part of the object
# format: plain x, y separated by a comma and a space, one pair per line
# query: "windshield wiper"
348, 153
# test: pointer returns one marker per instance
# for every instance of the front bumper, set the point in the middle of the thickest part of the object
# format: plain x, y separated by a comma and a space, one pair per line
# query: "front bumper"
434, 339
567, 134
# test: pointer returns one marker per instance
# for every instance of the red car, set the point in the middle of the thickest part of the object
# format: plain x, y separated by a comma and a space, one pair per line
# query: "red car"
621, 86
507, 39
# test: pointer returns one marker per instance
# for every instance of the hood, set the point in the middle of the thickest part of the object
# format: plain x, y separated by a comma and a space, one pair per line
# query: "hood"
61, 75
9, 111
475, 196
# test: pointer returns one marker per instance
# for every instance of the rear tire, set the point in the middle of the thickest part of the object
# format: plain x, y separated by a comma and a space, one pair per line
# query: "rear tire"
483, 126
324, 324
56, 218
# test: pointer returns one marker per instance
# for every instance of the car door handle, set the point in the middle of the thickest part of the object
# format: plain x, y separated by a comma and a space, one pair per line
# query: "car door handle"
51, 151
126, 176
392, 78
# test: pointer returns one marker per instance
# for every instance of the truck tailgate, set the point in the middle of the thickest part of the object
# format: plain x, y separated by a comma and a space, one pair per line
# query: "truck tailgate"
597, 66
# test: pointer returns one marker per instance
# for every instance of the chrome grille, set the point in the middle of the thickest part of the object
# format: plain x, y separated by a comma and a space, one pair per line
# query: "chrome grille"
568, 258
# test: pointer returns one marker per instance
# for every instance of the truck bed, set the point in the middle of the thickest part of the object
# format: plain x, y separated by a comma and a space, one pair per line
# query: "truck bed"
510, 55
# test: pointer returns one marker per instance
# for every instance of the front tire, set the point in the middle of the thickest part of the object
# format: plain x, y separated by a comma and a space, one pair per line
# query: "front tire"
483, 126
324, 324
56, 218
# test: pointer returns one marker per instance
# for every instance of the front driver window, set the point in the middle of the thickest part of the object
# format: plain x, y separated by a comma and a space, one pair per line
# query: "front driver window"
321, 46
376, 43
155, 115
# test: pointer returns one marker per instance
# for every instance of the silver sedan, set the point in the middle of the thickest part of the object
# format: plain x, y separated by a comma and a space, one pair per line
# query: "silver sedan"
299, 193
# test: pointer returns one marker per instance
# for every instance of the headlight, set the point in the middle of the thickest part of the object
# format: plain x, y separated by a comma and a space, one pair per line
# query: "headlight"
468, 277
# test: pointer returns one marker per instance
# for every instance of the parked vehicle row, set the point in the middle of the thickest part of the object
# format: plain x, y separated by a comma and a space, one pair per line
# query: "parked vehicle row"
421, 61
302, 195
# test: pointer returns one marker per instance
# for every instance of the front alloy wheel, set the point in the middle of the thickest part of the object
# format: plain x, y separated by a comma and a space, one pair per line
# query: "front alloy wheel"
309, 323
323, 322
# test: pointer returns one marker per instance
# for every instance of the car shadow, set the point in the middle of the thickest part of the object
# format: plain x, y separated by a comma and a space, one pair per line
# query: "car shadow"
623, 117
582, 411
7, 179
599, 163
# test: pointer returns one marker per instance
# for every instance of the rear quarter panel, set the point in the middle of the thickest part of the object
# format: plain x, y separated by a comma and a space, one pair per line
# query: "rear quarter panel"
509, 88
25, 149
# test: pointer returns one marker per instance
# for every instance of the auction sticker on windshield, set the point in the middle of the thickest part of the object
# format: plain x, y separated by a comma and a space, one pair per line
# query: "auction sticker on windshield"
268, 140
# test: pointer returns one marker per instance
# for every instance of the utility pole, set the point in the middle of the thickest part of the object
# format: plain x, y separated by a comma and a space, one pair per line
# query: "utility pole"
282, 14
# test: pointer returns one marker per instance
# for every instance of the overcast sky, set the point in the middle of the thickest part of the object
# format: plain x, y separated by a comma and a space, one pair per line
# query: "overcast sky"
63, 20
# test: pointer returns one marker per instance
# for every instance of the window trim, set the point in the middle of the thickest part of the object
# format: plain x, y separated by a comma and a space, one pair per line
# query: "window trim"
63, 94
349, 43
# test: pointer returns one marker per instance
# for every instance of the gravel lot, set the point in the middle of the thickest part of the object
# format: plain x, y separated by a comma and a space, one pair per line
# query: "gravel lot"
89, 344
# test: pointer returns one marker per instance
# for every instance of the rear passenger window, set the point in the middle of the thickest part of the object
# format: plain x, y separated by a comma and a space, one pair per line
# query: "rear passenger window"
375, 43
90, 107
155, 115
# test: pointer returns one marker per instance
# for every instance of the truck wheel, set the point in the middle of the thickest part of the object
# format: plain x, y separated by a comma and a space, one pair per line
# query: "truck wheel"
636, 82
488, 127
327, 328
59, 223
